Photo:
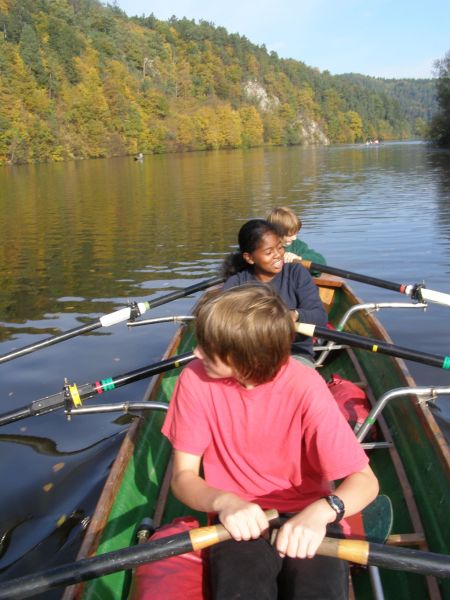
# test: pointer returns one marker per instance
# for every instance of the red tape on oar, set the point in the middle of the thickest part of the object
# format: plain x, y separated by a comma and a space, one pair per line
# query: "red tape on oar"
417, 291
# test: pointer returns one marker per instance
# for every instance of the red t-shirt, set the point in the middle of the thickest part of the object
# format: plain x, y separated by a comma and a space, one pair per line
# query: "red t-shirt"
278, 444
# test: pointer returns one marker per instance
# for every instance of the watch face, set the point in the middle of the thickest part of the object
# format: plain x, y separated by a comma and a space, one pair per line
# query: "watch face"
336, 504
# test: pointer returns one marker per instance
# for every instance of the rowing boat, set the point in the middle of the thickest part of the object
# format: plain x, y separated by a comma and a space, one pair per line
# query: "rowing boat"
410, 458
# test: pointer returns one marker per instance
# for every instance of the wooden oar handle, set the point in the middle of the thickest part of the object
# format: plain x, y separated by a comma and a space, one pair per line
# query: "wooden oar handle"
356, 551
305, 328
203, 537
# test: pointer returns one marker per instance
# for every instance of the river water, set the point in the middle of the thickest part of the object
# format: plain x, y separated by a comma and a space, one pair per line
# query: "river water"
79, 240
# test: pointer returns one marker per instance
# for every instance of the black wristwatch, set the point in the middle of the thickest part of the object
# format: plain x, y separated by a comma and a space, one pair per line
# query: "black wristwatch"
337, 505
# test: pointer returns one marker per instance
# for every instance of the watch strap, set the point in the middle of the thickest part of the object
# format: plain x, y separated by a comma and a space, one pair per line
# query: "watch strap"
337, 505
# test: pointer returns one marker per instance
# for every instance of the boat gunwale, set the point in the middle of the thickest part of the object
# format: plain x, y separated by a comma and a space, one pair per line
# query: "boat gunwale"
115, 477
105, 503
432, 429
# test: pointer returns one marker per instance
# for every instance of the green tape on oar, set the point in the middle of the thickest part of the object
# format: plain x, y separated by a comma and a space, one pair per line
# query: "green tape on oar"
88, 390
108, 384
435, 360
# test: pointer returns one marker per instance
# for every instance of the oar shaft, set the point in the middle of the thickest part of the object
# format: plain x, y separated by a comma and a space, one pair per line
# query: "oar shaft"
379, 555
138, 374
357, 551
413, 561
120, 560
382, 283
16, 415
185, 292
123, 314
89, 390
416, 291
50, 341
435, 360
90, 568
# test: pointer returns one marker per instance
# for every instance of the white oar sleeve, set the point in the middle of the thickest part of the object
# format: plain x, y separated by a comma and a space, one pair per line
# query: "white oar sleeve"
437, 297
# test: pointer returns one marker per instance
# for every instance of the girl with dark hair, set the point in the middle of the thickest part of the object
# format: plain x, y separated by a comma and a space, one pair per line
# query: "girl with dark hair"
261, 259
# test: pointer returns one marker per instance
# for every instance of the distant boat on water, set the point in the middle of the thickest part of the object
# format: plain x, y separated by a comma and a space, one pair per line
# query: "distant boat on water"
139, 157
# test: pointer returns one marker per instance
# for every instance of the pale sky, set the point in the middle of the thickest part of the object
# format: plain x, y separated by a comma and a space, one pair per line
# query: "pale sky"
382, 38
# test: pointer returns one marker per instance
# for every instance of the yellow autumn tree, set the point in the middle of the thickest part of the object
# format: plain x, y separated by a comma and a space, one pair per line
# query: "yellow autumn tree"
306, 102
185, 132
273, 129
252, 127
86, 109
24, 110
124, 111
355, 125
207, 129
252, 65
229, 126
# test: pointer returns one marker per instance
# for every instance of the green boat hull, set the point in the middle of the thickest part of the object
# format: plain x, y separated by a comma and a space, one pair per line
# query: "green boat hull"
414, 472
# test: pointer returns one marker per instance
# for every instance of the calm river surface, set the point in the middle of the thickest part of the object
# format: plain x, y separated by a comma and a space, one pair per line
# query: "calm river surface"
78, 240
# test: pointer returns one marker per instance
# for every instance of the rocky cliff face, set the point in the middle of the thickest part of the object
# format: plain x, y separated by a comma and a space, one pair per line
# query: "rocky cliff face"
312, 133
255, 91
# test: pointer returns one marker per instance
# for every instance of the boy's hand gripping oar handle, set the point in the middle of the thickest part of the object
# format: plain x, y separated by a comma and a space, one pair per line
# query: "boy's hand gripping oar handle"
203, 537
361, 552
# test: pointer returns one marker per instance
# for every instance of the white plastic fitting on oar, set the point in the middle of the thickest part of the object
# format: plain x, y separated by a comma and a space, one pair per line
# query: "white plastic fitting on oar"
437, 297
121, 315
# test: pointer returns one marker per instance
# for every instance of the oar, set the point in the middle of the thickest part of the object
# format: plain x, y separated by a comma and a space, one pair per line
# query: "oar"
379, 555
435, 360
357, 551
119, 560
135, 309
72, 396
417, 291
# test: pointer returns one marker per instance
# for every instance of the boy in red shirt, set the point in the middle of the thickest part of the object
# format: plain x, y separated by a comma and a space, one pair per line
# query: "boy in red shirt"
267, 434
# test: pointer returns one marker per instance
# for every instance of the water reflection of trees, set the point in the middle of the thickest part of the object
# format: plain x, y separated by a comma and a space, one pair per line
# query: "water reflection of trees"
79, 238
439, 164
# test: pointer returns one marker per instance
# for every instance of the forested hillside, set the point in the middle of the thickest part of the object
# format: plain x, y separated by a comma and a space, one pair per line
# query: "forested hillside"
79, 80
417, 97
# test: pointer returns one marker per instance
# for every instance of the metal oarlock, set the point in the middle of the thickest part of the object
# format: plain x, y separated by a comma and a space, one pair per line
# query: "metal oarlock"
369, 307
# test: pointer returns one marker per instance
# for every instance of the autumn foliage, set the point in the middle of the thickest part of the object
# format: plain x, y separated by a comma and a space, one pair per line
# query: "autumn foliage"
81, 80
